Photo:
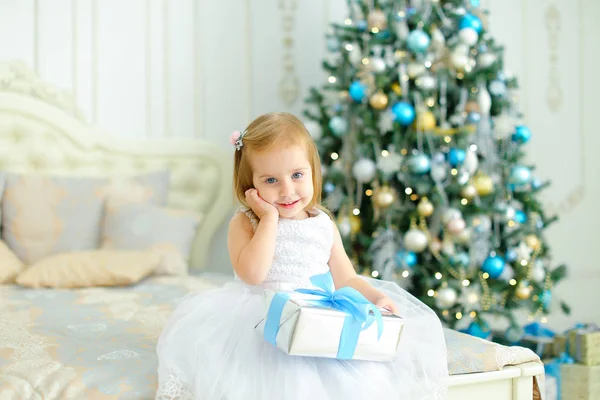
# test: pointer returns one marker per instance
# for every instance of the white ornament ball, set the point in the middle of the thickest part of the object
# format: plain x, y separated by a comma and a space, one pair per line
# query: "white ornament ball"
415, 240
446, 298
345, 227
451, 214
538, 273
510, 213
468, 36
364, 170
459, 60
415, 69
377, 64
426, 82
456, 226
504, 126
438, 41
471, 162
314, 128
438, 173
507, 273
469, 191
463, 237
486, 60
484, 100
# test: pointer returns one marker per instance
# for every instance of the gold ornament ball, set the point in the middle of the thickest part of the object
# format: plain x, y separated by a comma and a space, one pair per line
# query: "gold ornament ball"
533, 242
379, 101
377, 19
483, 184
425, 208
523, 291
469, 191
355, 224
384, 197
396, 88
425, 121
472, 106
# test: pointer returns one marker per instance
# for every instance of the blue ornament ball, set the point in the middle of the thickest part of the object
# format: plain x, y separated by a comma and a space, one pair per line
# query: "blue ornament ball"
480, 330
470, 21
520, 217
406, 259
362, 25
404, 113
338, 126
519, 175
333, 44
493, 265
473, 118
522, 134
456, 156
536, 183
511, 255
357, 91
328, 187
418, 41
461, 258
419, 164
546, 298
497, 88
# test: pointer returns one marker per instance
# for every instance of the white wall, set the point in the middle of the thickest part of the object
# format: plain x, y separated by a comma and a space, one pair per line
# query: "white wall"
201, 68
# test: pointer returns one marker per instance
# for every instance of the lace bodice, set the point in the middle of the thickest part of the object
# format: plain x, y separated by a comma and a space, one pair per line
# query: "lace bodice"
302, 248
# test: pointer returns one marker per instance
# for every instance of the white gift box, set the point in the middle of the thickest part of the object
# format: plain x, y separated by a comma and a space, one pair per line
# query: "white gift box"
309, 330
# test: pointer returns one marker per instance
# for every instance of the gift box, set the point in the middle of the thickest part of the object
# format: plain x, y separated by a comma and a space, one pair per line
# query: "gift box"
583, 344
580, 382
559, 345
338, 324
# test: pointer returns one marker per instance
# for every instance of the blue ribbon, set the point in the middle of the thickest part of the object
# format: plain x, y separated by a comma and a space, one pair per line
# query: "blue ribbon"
540, 334
553, 369
361, 313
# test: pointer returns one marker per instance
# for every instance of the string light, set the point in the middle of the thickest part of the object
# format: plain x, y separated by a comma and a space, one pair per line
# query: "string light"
430, 292
375, 30
348, 21
375, 274
473, 147
332, 79
447, 139
466, 282
544, 320
458, 315
438, 275
349, 47
405, 274
473, 314
385, 153
365, 61
369, 192
356, 211
485, 275
454, 171
464, 202
512, 282
334, 156
408, 190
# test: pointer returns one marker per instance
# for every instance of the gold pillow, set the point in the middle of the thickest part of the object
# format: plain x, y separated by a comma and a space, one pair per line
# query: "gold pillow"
90, 268
10, 265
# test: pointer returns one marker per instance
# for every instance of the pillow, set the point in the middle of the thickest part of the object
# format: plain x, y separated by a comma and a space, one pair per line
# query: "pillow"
45, 215
150, 189
168, 232
10, 265
89, 268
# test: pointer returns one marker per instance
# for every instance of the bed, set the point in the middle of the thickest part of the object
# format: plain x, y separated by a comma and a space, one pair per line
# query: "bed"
98, 343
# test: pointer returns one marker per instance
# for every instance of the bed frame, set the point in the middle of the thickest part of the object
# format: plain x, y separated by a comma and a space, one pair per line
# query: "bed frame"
42, 131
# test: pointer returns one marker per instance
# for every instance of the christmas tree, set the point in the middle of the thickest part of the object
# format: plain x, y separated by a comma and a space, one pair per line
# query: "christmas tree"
422, 145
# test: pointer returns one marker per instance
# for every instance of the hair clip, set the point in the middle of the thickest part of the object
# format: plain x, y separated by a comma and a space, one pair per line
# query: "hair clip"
236, 140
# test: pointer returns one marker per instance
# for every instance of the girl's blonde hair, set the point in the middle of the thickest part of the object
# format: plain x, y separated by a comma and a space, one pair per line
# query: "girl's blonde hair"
264, 133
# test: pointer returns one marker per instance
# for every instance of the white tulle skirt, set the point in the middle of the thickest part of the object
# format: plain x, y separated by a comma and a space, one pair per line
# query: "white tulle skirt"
209, 350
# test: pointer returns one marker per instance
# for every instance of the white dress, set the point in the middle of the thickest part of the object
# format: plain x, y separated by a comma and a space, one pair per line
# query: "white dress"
209, 349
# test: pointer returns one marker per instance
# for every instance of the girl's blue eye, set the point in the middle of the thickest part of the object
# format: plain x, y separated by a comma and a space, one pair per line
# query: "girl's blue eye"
297, 175
270, 180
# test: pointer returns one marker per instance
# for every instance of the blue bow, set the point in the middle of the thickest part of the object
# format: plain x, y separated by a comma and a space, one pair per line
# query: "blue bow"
553, 369
539, 334
361, 313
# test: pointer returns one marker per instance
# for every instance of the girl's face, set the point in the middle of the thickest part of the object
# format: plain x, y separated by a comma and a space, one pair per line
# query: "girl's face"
283, 178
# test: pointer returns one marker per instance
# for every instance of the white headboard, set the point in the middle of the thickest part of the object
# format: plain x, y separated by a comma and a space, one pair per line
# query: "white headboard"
42, 131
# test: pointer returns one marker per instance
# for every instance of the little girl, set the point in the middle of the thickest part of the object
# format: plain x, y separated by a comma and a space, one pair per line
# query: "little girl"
209, 349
